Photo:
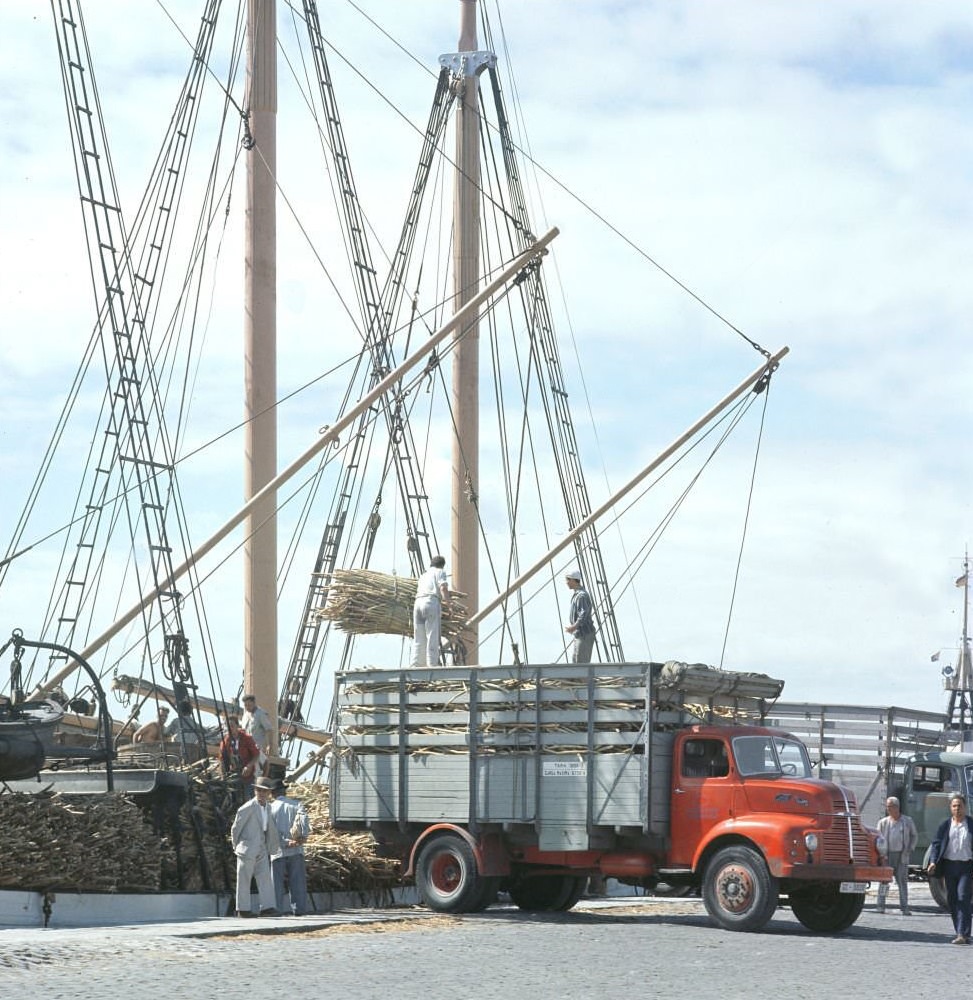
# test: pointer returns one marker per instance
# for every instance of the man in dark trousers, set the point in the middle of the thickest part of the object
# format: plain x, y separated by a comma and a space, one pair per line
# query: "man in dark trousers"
951, 856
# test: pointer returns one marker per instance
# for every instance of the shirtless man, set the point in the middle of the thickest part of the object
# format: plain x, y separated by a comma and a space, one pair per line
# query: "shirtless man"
152, 732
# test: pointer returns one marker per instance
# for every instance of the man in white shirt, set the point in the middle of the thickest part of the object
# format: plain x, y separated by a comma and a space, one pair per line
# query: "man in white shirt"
432, 592
256, 723
901, 838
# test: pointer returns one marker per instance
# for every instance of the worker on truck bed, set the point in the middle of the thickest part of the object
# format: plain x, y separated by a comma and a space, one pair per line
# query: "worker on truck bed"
432, 592
580, 620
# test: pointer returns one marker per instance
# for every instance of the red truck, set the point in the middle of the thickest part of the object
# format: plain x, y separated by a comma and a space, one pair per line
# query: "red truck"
531, 779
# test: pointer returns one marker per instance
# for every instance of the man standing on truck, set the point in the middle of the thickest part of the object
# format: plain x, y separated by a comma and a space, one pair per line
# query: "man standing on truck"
901, 837
432, 592
580, 619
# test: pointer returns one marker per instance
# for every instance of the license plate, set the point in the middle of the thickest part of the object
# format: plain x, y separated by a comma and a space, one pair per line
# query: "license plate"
853, 886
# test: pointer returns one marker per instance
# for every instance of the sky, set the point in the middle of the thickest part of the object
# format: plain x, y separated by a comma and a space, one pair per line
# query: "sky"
799, 173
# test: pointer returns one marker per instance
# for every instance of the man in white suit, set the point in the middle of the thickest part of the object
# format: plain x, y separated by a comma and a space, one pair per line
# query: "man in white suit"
255, 841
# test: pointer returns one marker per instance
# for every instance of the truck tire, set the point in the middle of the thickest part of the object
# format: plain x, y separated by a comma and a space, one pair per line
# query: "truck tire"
547, 893
446, 875
937, 884
827, 910
739, 892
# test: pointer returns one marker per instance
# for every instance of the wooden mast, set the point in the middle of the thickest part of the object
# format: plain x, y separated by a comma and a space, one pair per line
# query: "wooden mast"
464, 565
260, 352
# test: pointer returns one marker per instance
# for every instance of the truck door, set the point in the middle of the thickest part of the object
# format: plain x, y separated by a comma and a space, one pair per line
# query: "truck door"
701, 794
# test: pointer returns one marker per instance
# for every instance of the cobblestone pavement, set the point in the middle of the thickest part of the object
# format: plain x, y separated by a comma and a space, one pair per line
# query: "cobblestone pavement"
647, 948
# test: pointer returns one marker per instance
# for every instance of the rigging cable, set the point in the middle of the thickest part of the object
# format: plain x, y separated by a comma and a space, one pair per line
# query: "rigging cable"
763, 387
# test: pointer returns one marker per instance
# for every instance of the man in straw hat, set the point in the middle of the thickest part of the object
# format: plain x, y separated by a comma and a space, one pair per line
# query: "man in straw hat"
255, 841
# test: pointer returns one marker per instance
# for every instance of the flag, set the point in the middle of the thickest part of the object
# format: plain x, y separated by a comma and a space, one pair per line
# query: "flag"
935, 656
961, 581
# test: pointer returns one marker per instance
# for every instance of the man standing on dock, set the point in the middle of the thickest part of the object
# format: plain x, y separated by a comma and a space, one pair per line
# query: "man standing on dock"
255, 840
580, 620
288, 867
432, 592
901, 838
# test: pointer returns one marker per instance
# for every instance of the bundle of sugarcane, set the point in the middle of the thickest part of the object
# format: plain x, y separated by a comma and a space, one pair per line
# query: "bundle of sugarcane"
364, 602
94, 843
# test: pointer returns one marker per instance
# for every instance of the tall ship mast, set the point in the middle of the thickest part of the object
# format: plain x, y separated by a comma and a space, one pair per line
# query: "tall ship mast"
958, 680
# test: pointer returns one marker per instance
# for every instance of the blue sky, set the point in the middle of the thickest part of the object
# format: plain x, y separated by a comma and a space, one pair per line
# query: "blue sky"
803, 169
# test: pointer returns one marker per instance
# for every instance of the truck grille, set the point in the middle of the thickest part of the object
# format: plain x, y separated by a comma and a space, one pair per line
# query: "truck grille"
846, 841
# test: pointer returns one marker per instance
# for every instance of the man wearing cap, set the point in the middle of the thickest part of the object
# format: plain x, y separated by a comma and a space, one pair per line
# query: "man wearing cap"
432, 592
293, 827
255, 841
256, 723
580, 619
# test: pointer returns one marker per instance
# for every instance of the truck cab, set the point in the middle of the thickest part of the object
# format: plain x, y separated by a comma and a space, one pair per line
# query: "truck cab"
746, 807
928, 781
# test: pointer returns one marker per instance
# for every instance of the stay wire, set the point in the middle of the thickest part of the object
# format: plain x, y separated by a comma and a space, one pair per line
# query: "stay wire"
746, 519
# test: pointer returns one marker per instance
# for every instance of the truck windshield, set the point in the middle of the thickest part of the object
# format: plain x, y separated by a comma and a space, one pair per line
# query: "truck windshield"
771, 755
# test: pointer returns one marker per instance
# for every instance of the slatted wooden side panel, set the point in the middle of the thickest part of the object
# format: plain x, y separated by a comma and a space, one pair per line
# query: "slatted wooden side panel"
862, 747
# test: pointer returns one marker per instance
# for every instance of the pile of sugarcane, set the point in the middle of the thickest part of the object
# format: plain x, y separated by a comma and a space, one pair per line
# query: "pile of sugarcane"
87, 843
339, 861
107, 843
364, 602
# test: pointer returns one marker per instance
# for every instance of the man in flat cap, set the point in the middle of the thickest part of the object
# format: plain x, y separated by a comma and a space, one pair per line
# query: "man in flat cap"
581, 626
288, 867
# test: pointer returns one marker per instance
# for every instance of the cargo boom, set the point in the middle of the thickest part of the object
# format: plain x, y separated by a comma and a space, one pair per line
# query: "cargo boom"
531, 779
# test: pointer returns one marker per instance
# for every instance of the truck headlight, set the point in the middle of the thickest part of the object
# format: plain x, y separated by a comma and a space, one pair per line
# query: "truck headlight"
811, 841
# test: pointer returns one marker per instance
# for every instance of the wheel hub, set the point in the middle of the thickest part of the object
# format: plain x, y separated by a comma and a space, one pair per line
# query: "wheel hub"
735, 887
445, 873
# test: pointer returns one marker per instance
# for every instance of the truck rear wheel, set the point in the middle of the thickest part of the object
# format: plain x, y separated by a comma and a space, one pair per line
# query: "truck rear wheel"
739, 892
446, 875
547, 893
827, 910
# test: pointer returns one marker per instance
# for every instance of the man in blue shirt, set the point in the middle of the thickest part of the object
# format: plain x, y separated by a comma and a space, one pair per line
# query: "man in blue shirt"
291, 819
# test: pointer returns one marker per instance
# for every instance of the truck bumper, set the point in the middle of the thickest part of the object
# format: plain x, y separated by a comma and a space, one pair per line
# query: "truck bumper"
835, 873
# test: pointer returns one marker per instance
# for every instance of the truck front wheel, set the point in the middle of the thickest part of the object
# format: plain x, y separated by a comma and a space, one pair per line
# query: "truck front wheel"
739, 892
446, 875
827, 910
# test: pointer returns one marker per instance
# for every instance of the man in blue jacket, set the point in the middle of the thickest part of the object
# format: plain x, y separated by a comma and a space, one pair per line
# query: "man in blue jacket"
951, 856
